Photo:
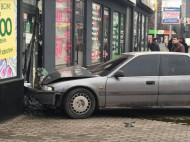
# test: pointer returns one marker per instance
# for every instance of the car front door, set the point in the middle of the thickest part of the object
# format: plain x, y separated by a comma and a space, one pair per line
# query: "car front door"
174, 83
138, 87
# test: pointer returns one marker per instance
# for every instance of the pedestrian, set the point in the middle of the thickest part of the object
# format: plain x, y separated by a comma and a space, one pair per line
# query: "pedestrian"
182, 41
178, 47
170, 45
154, 46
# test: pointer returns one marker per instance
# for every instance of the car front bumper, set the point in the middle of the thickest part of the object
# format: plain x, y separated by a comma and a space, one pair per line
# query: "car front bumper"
51, 98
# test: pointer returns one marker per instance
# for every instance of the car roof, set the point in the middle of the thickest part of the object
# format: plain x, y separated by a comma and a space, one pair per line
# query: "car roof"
153, 53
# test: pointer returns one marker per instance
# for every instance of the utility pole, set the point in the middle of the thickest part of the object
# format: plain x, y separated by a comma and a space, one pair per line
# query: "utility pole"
155, 20
183, 18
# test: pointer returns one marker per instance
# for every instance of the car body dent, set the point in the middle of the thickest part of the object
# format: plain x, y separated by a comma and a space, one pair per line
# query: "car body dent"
95, 84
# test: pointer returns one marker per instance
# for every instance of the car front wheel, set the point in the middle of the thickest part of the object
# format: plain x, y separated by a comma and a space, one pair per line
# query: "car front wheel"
79, 103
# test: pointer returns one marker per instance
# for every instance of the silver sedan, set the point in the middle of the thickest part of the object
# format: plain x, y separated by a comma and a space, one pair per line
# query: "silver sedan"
146, 79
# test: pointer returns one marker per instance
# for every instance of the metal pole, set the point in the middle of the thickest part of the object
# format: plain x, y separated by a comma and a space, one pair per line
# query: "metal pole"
155, 24
170, 35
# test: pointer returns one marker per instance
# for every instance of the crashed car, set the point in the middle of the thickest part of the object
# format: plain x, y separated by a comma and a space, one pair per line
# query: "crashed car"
146, 79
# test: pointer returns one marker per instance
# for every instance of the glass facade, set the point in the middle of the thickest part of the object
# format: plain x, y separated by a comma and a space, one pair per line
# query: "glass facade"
122, 33
63, 32
118, 34
79, 32
8, 40
115, 42
32, 2
106, 34
140, 32
96, 32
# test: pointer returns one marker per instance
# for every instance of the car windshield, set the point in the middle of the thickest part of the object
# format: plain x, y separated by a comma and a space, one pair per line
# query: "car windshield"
108, 67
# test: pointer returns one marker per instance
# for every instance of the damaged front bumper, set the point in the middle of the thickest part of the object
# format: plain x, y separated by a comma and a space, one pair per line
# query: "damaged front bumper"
50, 98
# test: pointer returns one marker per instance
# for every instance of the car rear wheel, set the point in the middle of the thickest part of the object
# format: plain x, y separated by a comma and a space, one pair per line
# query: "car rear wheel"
79, 103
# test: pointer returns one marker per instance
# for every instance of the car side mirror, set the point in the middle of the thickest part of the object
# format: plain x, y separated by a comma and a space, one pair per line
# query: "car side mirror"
119, 73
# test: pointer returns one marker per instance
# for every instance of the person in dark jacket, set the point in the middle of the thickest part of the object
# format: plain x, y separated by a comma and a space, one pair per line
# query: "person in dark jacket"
170, 45
182, 41
178, 47
154, 46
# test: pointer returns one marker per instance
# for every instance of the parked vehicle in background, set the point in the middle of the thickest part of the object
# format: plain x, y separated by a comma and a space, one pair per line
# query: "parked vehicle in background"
146, 79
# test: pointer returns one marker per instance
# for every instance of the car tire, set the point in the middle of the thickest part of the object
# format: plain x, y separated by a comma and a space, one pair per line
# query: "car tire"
79, 103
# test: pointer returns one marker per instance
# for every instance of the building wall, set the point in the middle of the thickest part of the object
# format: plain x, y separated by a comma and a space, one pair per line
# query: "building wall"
11, 98
12, 84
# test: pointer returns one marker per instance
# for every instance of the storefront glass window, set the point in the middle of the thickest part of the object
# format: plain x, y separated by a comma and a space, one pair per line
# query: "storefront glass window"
79, 32
122, 33
135, 40
139, 32
115, 43
143, 34
96, 32
146, 33
8, 38
106, 34
32, 2
63, 32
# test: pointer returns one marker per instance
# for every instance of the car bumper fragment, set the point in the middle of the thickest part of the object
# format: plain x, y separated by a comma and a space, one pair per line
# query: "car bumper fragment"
44, 97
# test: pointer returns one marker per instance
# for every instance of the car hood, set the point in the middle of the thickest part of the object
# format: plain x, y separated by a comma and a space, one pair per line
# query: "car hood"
72, 72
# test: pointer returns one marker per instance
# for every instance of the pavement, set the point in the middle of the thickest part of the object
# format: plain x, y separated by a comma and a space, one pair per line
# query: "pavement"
103, 126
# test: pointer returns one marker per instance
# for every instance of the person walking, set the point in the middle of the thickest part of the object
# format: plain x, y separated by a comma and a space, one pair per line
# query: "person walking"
182, 41
178, 47
154, 46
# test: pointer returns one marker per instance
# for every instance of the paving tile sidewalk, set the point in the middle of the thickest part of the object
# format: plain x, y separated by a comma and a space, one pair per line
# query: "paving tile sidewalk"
27, 128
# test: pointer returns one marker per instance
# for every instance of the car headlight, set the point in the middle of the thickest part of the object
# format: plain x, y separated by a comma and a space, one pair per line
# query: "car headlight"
47, 88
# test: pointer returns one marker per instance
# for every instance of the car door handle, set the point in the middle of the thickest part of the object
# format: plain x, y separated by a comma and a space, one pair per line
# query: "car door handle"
150, 82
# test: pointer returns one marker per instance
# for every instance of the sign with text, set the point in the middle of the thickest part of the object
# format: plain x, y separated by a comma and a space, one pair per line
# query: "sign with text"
7, 29
171, 16
171, 3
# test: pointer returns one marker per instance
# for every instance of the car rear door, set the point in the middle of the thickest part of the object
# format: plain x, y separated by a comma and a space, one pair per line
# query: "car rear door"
139, 86
174, 83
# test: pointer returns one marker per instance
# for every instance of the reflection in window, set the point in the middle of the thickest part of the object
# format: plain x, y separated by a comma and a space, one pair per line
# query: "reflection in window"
118, 34
173, 65
79, 32
122, 33
135, 31
63, 32
96, 32
106, 34
139, 32
146, 33
143, 34
115, 42
145, 65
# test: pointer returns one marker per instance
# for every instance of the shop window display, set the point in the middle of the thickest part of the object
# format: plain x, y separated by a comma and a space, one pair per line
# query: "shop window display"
106, 34
135, 38
96, 33
143, 34
122, 33
115, 43
63, 32
79, 32
118, 34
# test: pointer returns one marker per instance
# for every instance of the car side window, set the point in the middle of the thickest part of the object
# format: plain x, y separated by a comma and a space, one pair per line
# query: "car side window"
173, 65
144, 65
187, 59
